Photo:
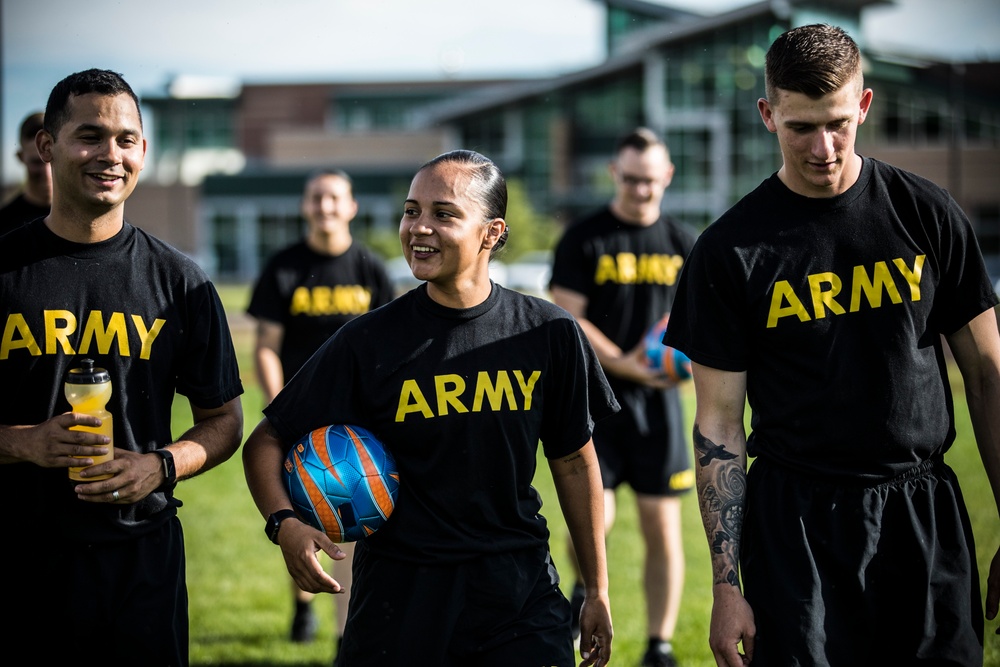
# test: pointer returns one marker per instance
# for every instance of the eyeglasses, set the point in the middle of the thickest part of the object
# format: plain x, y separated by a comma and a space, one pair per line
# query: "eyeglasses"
633, 181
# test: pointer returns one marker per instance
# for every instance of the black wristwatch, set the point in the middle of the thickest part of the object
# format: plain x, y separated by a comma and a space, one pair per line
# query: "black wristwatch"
169, 471
274, 523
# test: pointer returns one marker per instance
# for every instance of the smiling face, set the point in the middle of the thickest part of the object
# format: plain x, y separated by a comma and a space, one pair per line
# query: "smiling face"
446, 236
96, 155
328, 204
641, 177
817, 138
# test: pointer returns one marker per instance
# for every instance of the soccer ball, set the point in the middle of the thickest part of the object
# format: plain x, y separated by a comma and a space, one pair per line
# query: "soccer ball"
674, 363
342, 481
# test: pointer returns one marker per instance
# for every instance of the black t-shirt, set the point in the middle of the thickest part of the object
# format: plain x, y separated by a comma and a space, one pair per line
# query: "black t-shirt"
629, 275
835, 309
138, 308
312, 295
19, 211
461, 398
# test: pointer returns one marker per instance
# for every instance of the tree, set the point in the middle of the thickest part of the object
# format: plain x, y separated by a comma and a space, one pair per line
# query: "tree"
529, 229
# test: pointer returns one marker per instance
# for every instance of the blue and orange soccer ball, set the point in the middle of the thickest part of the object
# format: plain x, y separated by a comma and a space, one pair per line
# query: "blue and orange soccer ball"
673, 362
343, 481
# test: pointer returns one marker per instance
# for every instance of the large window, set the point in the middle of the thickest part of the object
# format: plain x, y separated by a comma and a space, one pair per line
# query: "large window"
188, 124
539, 120
275, 230
224, 248
717, 141
914, 116
602, 109
364, 113
485, 133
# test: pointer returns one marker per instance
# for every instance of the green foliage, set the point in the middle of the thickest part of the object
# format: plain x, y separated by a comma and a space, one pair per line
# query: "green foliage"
240, 598
385, 242
529, 229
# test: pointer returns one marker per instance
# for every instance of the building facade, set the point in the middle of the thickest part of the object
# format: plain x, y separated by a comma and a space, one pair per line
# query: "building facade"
696, 79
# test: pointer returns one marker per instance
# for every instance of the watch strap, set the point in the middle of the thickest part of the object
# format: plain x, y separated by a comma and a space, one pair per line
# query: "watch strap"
169, 470
274, 523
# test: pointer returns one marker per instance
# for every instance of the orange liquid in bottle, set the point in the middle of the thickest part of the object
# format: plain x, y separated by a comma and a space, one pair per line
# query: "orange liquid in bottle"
91, 398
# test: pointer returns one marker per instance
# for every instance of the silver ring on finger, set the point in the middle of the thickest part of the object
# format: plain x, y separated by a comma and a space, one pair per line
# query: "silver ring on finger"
114, 494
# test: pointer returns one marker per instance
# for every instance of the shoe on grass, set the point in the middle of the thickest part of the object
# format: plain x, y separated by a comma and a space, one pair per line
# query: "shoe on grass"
304, 624
658, 656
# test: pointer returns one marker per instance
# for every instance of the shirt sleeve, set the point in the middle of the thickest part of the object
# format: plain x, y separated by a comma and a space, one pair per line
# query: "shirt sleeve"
579, 396
315, 396
707, 320
965, 290
209, 374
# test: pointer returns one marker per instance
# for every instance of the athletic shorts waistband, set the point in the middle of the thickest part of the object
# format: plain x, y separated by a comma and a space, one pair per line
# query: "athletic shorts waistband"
932, 466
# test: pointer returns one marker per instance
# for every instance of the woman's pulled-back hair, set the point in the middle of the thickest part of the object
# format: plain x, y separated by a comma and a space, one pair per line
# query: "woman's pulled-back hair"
490, 187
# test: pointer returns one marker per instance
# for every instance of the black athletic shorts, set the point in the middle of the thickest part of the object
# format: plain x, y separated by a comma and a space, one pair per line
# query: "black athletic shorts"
645, 448
861, 575
110, 603
503, 609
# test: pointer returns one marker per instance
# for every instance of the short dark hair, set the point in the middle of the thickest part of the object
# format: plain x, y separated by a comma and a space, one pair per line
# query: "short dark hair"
814, 60
321, 173
101, 81
490, 185
640, 139
30, 126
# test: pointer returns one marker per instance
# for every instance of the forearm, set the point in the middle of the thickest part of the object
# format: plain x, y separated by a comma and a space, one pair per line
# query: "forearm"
577, 479
983, 398
721, 481
976, 348
608, 353
214, 438
267, 355
269, 372
263, 459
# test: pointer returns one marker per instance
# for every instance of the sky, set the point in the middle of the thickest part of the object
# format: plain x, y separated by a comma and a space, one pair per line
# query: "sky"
259, 41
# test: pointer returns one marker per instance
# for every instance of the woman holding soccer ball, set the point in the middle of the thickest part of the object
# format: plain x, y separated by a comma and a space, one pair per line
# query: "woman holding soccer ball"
461, 379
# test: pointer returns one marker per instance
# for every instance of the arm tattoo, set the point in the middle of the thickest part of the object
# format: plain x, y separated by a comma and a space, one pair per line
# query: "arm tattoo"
722, 494
709, 450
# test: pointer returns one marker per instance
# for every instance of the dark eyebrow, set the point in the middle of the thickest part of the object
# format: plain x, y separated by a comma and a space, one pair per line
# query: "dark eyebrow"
433, 203
805, 123
91, 127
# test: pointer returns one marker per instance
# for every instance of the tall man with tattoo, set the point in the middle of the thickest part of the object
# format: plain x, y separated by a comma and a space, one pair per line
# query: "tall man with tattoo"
824, 297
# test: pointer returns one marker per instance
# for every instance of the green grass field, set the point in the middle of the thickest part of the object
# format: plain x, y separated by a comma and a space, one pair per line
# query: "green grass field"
239, 593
